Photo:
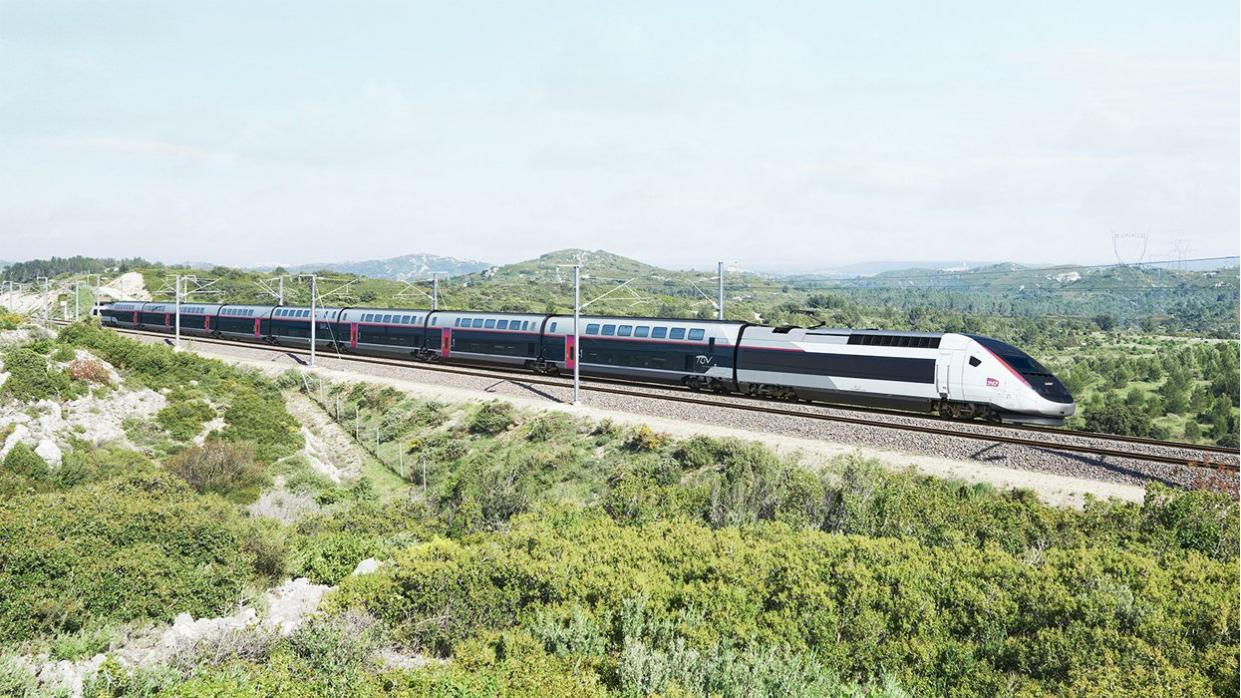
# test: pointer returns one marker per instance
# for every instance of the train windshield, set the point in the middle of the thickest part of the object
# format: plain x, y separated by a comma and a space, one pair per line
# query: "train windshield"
1037, 375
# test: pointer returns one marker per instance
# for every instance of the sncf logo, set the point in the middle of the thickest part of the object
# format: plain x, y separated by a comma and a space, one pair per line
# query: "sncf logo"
993, 383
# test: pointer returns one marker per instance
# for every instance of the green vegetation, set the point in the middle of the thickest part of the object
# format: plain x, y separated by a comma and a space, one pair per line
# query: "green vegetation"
959, 618
31, 378
219, 468
1161, 388
541, 554
137, 545
184, 417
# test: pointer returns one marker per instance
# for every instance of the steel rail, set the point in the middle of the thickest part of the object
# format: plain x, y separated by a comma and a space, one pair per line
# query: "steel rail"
767, 408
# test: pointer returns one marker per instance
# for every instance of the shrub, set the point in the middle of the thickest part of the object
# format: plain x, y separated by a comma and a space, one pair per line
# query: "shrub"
24, 462
82, 645
184, 418
259, 419
769, 604
31, 379
217, 467
139, 547
329, 557
551, 425
15, 679
492, 418
644, 439
9, 320
88, 371
338, 647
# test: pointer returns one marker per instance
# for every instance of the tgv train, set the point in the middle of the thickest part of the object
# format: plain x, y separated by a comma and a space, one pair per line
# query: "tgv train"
959, 376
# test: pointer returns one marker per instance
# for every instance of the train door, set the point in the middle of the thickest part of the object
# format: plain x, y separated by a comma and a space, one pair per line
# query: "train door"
943, 373
445, 342
257, 327
570, 352
353, 335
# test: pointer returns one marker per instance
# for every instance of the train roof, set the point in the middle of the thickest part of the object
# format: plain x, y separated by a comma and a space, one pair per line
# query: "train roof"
828, 331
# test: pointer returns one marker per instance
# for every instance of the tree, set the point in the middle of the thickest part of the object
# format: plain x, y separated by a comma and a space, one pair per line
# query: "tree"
1105, 322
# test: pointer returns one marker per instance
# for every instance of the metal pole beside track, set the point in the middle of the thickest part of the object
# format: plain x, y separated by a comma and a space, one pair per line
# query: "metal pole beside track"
176, 346
314, 290
719, 312
577, 335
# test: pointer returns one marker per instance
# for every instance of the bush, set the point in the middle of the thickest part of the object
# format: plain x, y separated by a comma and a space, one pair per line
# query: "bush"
338, 647
258, 418
676, 598
492, 418
329, 557
644, 439
31, 379
183, 417
23, 462
88, 371
9, 320
16, 680
219, 468
550, 426
139, 547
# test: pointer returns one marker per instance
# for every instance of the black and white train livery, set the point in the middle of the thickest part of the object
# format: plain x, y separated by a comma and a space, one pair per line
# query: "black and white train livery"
960, 376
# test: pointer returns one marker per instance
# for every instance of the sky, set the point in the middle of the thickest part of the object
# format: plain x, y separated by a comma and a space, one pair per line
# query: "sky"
810, 134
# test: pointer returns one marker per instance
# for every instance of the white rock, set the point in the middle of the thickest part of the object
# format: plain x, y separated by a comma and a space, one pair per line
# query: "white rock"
49, 451
20, 433
367, 566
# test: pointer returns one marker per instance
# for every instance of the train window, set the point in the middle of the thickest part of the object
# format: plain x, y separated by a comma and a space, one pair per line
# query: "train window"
592, 329
525, 324
434, 320
975, 361
641, 331
490, 324
624, 330
659, 332
552, 328
696, 335
503, 324
677, 333
609, 330
476, 322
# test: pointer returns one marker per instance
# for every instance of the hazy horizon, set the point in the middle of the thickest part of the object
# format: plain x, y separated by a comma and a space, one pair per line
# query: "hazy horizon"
808, 134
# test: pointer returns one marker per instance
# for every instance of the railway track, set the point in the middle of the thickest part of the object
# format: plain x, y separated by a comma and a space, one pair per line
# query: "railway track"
1086, 443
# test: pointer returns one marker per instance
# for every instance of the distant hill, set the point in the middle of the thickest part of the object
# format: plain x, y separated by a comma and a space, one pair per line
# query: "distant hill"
554, 266
864, 268
404, 268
